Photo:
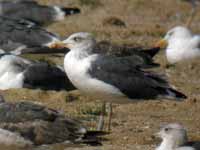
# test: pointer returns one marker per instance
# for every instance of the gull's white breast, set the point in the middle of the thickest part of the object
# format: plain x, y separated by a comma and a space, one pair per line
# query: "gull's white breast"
9, 77
182, 49
77, 72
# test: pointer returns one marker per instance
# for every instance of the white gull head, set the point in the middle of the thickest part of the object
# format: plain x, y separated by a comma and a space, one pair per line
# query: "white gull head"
181, 45
80, 41
173, 136
178, 32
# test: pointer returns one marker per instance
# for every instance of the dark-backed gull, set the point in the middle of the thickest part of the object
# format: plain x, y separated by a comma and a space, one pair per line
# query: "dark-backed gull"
18, 72
17, 35
110, 78
34, 12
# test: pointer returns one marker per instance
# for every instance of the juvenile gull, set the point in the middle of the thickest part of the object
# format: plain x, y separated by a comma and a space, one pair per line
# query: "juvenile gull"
110, 78
34, 12
18, 72
181, 44
174, 137
26, 123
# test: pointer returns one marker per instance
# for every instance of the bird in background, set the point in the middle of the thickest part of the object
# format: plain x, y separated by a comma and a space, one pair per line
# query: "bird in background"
18, 35
34, 12
180, 44
174, 137
18, 72
30, 124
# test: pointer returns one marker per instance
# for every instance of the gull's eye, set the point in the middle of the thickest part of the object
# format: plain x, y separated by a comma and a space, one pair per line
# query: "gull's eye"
170, 33
166, 129
77, 39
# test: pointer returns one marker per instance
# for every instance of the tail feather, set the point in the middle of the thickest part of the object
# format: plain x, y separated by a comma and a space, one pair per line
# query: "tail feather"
41, 50
151, 52
70, 11
173, 94
93, 138
149, 65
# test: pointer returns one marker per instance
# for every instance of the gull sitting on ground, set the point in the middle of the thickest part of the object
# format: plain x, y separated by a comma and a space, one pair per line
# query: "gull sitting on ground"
181, 44
35, 12
29, 124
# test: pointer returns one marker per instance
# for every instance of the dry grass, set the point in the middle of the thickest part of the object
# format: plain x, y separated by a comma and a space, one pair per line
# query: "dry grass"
146, 21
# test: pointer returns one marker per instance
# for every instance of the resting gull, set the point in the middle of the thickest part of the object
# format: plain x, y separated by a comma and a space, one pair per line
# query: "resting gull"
181, 44
18, 72
174, 137
26, 124
111, 78
17, 35
34, 12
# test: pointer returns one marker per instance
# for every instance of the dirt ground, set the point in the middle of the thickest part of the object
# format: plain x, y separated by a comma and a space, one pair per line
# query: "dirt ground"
144, 22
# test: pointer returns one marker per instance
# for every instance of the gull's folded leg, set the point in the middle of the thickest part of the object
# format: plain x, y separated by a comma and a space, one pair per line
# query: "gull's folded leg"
101, 118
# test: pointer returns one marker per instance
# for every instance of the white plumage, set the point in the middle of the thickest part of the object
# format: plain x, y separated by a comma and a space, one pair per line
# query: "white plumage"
182, 45
174, 137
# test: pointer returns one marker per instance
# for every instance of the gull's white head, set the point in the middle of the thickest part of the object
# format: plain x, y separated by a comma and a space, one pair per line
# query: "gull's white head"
82, 40
174, 134
178, 32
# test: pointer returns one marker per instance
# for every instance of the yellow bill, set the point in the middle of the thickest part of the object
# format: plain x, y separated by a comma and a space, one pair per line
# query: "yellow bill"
161, 44
58, 45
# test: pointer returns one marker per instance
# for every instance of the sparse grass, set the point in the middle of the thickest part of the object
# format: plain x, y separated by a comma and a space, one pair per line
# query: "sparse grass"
146, 22
138, 3
90, 3
91, 110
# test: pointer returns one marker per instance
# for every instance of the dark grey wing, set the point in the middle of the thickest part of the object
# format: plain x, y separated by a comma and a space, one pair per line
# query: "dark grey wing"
130, 80
20, 31
106, 47
25, 111
33, 11
46, 77
144, 56
151, 51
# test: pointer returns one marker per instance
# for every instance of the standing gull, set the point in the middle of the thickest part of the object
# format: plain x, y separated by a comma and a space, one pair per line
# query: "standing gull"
174, 137
181, 44
110, 78
34, 12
